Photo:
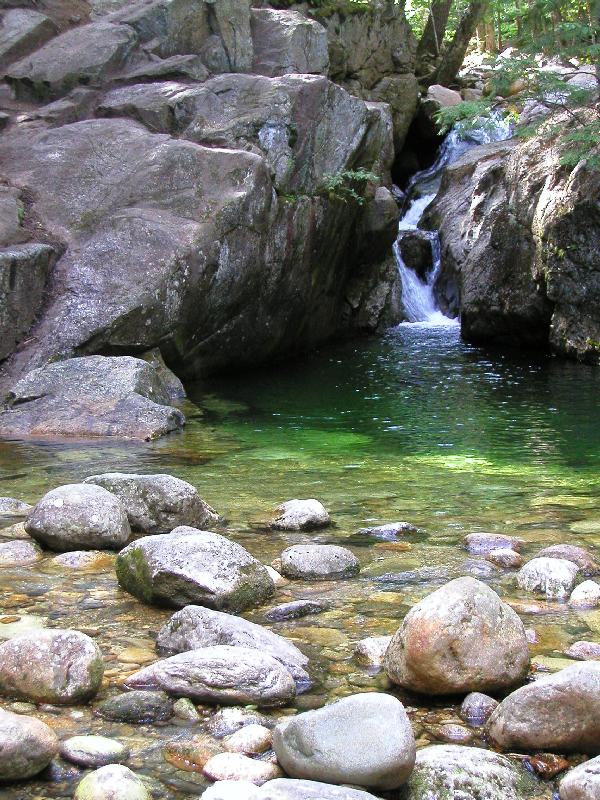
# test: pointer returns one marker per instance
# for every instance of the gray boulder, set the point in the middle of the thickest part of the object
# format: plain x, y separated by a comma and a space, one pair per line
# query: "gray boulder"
194, 627
19, 553
301, 515
137, 706
221, 674
21, 31
436, 652
79, 517
11, 507
287, 42
585, 560
89, 397
552, 577
189, 566
27, 745
286, 789
318, 562
156, 503
110, 782
582, 782
365, 739
556, 712
163, 107
51, 666
93, 751
484, 543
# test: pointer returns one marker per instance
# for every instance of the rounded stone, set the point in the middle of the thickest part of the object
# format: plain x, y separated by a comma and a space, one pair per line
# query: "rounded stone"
483, 543
585, 560
229, 720
93, 751
232, 790
235, 766
477, 708
295, 610
19, 553
288, 789
586, 595
552, 577
318, 562
11, 507
79, 517
371, 651
301, 515
111, 782
584, 651
582, 782
251, 740
137, 707
27, 746
505, 557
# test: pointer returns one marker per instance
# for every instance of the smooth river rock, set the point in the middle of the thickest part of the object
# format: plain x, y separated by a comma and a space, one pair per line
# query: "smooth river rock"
286, 789
391, 530
483, 543
236, 766
552, 577
194, 627
93, 751
582, 782
585, 560
365, 739
251, 740
112, 782
371, 651
584, 651
137, 707
477, 708
556, 712
318, 562
19, 553
586, 595
189, 566
11, 507
220, 674
460, 638
157, 503
232, 790
27, 745
78, 516
296, 609
51, 666
301, 515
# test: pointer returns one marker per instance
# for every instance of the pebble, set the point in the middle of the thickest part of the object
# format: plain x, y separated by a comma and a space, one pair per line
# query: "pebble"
547, 765
93, 751
235, 766
250, 740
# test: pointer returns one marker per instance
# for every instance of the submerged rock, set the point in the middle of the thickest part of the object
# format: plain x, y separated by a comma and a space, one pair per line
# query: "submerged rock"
505, 557
110, 782
584, 651
460, 638
318, 562
553, 577
27, 746
365, 739
236, 766
78, 516
189, 566
93, 751
295, 610
582, 782
301, 515
10, 507
390, 530
137, 707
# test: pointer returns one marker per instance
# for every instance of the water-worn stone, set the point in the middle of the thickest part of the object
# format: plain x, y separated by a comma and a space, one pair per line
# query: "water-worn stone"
79, 516
584, 651
391, 530
585, 560
21, 31
93, 751
483, 543
137, 707
27, 745
556, 712
229, 720
220, 674
19, 553
287, 42
318, 562
553, 577
51, 666
586, 595
582, 782
194, 627
286, 789
295, 610
157, 503
301, 515
251, 740
365, 739
460, 638
11, 507
190, 566
232, 790
110, 782
235, 766
371, 651
505, 557
477, 708
84, 559
453, 771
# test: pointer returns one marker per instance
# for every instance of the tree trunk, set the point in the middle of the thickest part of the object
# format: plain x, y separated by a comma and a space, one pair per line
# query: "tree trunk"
435, 29
455, 53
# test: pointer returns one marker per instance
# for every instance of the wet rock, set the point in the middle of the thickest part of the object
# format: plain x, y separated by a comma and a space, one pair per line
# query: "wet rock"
191, 566
288, 42
285, 789
21, 31
51, 666
10, 507
553, 577
78, 516
451, 732
191, 754
365, 739
19, 553
581, 782
479, 568
83, 559
371, 651
421, 575
275, 576
556, 712
586, 595
251, 740
546, 765
301, 515
584, 651
232, 790
220, 674
483, 543
137, 707
229, 720
318, 562
391, 530
235, 766
585, 560
184, 709
157, 503
110, 782
460, 638
295, 610
444, 771
27, 746
195, 627
505, 557
93, 751
477, 708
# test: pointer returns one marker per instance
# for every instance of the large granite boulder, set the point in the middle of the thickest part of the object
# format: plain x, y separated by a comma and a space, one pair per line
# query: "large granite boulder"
221, 674
301, 515
319, 562
92, 396
555, 712
287, 42
552, 577
460, 638
365, 739
189, 566
27, 745
194, 627
21, 31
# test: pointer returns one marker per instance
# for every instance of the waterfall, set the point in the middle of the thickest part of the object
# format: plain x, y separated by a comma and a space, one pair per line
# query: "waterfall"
418, 295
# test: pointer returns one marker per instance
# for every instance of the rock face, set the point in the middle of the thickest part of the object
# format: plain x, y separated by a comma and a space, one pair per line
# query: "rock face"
460, 638
556, 712
220, 674
27, 746
194, 627
157, 503
78, 516
288, 42
517, 234
87, 397
21, 31
301, 515
318, 562
553, 577
51, 666
581, 782
190, 566
365, 739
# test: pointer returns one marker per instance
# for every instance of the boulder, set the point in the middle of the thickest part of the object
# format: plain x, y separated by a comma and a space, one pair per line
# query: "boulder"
78, 516
483, 543
582, 782
171, 68
89, 397
585, 560
93, 751
137, 706
553, 577
286, 789
287, 42
301, 515
188, 566
318, 562
19, 553
436, 652
235, 766
556, 712
586, 595
21, 31
51, 666
221, 674
112, 781
27, 745
442, 96
365, 739
194, 627
157, 503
